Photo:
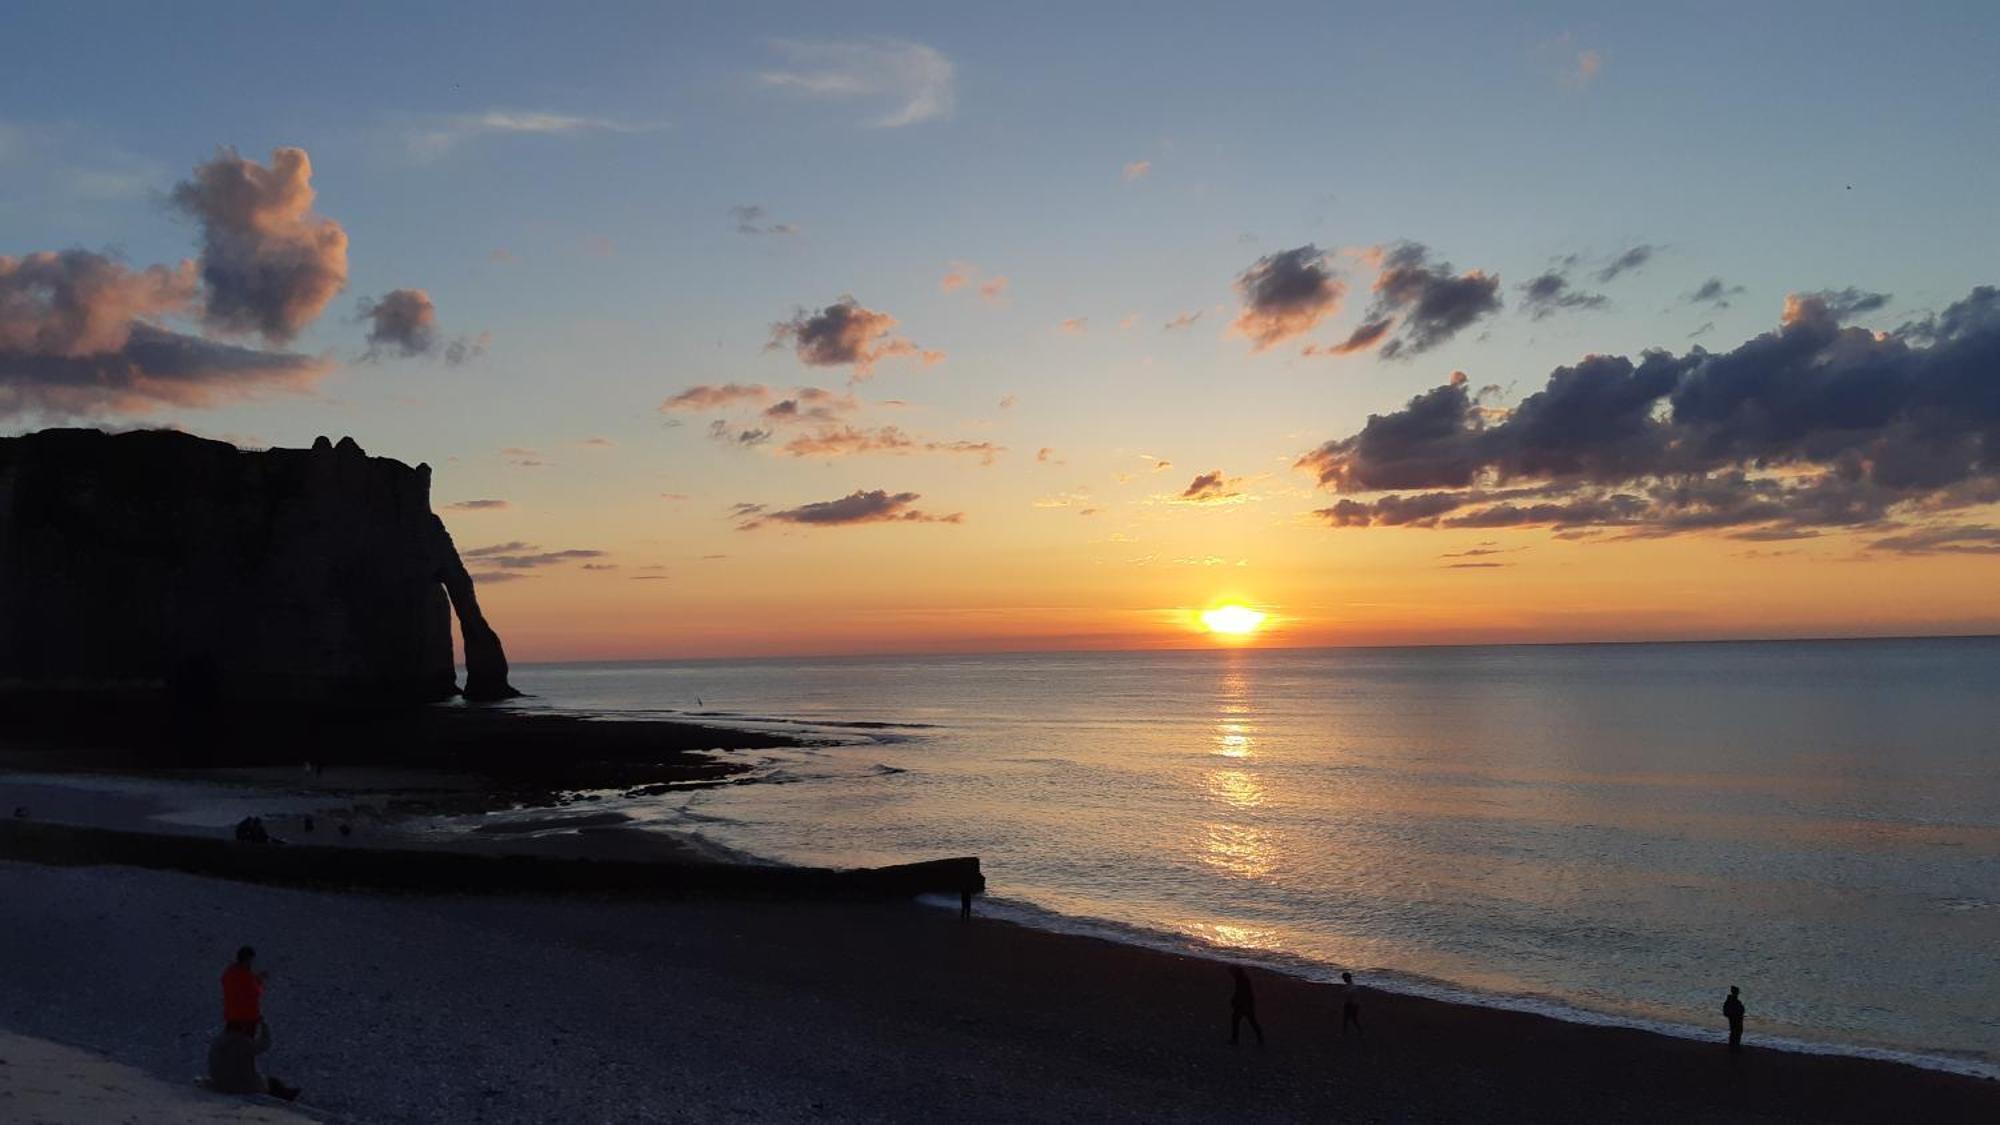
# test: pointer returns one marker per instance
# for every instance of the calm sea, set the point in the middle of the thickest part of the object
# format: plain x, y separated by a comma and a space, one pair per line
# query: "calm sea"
1613, 832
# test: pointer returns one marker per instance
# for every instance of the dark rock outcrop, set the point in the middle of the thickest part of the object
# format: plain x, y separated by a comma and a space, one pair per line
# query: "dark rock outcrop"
159, 559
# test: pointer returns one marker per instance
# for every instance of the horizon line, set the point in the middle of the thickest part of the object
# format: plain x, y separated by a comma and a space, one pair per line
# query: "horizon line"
934, 653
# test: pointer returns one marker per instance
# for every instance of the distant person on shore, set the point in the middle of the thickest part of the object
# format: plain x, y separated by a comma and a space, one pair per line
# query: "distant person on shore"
242, 994
1350, 1006
232, 1064
1243, 1006
1732, 1010
965, 904
251, 830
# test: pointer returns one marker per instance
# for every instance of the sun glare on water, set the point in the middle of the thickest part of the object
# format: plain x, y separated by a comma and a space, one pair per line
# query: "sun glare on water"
1232, 620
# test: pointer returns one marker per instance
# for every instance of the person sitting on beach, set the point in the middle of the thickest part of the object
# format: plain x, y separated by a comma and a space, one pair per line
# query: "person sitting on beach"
1732, 1010
251, 830
1350, 1006
242, 994
232, 1064
1243, 1006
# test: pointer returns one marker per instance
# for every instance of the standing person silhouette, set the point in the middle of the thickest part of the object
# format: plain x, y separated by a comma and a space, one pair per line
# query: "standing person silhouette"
1732, 1010
1350, 1006
1243, 1006
242, 994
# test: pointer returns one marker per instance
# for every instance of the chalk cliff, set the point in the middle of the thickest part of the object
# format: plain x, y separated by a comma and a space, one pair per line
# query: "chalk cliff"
156, 558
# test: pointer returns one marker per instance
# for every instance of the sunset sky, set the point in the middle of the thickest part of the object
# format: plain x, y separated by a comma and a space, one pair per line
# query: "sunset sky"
765, 329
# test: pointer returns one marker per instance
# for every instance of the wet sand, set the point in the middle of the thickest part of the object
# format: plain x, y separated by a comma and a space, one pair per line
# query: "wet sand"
441, 1008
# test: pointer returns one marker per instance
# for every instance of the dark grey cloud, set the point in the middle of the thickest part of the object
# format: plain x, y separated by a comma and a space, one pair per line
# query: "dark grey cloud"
1813, 425
268, 263
844, 334
1714, 293
858, 507
1844, 304
477, 506
750, 219
1284, 295
1551, 293
403, 321
1961, 539
1365, 336
516, 555
77, 337
1430, 300
1630, 260
1209, 487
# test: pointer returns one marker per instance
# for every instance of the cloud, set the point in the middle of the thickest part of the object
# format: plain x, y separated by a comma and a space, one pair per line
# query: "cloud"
845, 441
858, 507
516, 555
1814, 425
1364, 336
1209, 487
439, 135
1962, 539
477, 506
488, 577
1630, 260
917, 83
464, 350
1138, 170
821, 414
1550, 293
715, 396
1588, 64
1284, 295
844, 334
1007, 402
1182, 320
77, 337
598, 443
404, 320
1074, 326
1841, 304
1433, 303
268, 264
749, 218
958, 275
1714, 293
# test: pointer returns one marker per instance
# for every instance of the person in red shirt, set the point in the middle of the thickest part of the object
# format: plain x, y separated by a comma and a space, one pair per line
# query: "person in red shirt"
243, 994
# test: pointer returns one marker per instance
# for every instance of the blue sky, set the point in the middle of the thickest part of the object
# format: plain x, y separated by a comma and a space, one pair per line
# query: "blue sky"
1779, 147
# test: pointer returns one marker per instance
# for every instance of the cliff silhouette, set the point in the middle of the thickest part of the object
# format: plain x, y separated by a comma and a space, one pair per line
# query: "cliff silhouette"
156, 560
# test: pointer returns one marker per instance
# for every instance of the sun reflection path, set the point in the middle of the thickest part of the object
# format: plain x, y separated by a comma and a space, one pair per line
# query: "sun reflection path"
1235, 725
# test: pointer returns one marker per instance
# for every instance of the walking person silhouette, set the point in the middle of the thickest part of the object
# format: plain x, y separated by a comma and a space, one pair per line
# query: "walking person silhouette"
1243, 1006
1732, 1010
1350, 1007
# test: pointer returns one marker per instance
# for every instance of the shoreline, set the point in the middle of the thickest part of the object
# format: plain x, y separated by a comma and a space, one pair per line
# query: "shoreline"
1029, 916
571, 830
690, 1010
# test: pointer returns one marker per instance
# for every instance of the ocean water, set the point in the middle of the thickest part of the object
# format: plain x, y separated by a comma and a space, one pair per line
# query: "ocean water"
1608, 832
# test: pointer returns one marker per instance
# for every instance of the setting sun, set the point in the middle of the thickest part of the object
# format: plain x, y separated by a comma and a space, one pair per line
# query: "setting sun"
1232, 620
